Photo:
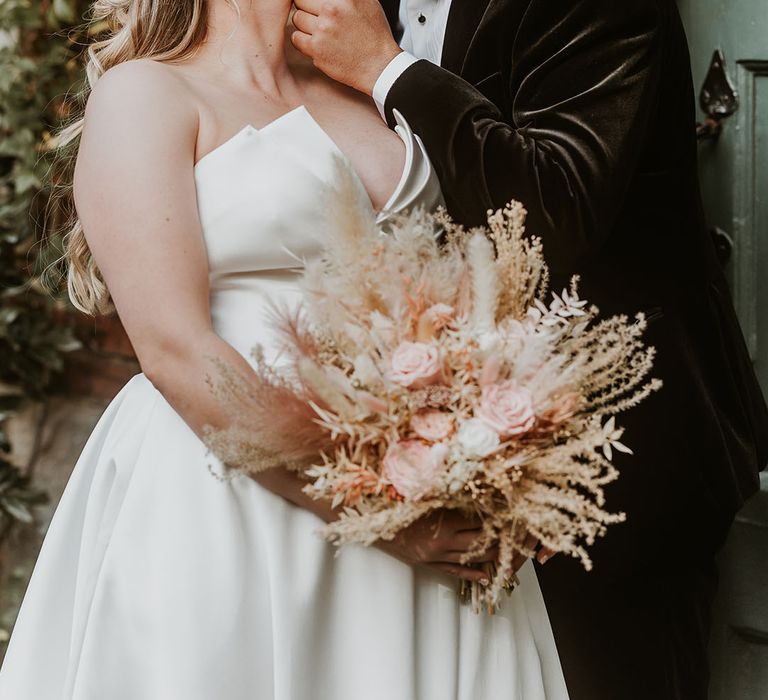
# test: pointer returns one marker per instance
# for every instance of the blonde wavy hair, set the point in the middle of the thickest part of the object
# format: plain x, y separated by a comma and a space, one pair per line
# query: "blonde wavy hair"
163, 30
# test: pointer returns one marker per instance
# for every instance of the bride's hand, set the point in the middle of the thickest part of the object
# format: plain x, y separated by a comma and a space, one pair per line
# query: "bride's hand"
440, 541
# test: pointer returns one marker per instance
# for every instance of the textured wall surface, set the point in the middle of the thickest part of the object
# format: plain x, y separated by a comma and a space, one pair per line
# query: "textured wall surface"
67, 424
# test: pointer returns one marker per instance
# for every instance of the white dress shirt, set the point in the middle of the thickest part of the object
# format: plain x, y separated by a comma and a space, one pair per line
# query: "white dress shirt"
424, 22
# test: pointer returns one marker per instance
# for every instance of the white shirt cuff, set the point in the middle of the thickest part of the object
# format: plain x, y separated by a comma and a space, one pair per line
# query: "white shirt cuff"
389, 75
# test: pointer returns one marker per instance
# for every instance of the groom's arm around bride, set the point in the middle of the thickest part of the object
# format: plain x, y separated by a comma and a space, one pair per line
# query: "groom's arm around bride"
584, 111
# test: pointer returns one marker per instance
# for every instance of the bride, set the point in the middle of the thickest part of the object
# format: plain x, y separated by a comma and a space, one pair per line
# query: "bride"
205, 156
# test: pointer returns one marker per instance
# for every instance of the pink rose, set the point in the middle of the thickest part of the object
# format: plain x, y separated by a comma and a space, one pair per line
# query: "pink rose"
413, 466
432, 425
415, 364
507, 408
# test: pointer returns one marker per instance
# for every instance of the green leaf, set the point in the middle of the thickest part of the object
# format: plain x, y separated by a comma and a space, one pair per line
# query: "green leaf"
64, 11
38, 66
17, 510
26, 181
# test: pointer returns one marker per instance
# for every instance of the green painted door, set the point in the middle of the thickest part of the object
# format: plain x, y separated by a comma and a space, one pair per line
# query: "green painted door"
734, 174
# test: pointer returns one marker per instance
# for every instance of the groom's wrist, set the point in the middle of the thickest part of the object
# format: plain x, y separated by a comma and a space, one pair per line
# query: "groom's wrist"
392, 71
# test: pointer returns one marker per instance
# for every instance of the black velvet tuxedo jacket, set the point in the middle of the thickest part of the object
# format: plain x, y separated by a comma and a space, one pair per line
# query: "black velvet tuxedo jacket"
584, 111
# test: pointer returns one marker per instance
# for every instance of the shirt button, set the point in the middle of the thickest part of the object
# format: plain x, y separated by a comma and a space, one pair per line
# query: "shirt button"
422, 19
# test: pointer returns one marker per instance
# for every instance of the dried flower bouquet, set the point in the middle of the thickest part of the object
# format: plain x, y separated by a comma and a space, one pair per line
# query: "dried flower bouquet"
428, 368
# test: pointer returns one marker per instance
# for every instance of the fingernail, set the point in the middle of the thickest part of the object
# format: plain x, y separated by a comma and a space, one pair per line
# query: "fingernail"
543, 557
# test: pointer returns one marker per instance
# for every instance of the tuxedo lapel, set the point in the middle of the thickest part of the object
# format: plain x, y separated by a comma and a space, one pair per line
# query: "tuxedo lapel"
463, 21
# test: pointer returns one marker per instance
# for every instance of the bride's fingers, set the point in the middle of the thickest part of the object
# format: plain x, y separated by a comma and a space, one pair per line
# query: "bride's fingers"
531, 543
463, 572
526, 544
544, 555
456, 521
458, 557
463, 541
492, 555
517, 562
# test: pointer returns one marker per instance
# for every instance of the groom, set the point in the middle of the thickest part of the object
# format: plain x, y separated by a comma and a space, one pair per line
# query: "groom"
584, 111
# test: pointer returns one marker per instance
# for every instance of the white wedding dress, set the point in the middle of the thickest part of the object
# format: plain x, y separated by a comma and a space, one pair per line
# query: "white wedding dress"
159, 581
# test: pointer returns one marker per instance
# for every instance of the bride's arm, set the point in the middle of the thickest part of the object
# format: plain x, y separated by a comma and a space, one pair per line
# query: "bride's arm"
135, 195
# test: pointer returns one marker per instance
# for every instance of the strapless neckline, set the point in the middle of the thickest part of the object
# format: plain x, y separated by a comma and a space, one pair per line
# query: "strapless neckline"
287, 117
251, 128
417, 182
264, 195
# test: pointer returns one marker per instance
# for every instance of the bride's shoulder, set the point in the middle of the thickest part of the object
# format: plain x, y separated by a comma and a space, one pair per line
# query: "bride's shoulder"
138, 115
140, 85
140, 100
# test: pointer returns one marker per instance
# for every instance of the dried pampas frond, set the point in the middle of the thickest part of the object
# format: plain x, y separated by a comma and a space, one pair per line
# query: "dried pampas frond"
352, 223
485, 283
258, 436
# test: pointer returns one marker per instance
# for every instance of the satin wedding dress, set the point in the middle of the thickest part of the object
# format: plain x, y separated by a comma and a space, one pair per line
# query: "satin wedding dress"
158, 581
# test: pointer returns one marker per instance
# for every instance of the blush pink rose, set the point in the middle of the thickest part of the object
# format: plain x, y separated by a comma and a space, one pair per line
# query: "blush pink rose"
507, 408
413, 466
432, 425
415, 364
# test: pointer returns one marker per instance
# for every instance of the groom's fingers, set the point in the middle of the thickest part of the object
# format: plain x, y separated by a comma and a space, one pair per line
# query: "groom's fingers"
350, 41
303, 42
305, 22
313, 7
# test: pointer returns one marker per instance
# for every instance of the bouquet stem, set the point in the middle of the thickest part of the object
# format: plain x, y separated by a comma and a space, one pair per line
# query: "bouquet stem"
475, 594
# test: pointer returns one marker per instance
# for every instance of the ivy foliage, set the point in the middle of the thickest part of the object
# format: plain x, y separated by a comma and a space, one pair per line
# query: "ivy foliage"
40, 45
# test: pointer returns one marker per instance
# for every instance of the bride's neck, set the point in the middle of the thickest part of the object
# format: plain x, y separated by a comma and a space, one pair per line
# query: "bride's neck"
249, 47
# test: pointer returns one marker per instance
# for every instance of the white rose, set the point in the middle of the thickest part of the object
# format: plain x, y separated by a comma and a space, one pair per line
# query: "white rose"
477, 438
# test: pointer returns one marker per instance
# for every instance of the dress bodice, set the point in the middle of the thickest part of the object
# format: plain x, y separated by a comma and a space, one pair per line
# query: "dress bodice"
262, 197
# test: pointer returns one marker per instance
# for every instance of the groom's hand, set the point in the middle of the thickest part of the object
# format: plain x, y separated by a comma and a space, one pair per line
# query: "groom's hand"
349, 40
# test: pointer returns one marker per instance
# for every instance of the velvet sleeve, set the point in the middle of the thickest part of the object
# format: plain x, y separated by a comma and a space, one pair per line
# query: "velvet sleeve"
583, 83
